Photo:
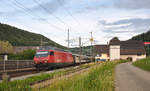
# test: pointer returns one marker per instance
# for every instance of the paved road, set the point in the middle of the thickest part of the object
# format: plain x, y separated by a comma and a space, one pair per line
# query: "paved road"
130, 78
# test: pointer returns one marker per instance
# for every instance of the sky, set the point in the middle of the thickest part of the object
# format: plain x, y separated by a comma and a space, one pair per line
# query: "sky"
104, 18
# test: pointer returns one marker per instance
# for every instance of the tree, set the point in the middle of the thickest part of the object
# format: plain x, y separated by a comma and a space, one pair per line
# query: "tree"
5, 47
25, 55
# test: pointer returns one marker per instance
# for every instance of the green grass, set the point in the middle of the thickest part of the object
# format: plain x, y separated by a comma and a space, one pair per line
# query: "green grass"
98, 78
143, 64
24, 85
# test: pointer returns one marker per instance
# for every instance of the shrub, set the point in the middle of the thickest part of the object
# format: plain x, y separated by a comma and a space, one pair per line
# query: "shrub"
25, 55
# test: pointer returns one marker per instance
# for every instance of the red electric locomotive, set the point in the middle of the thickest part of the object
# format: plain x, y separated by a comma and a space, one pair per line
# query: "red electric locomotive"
53, 58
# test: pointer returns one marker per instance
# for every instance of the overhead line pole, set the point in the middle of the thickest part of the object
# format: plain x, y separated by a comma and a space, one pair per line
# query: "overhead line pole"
91, 46
68, 38
80, 49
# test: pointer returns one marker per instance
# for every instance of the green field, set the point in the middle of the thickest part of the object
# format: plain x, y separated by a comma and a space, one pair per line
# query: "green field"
98, 78
143, 64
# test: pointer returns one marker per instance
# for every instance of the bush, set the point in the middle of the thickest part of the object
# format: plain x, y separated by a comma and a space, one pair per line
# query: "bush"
25, 55
148, 52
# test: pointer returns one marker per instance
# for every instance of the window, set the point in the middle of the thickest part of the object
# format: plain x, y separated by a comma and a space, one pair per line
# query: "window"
51, 53
139, 54
42, 54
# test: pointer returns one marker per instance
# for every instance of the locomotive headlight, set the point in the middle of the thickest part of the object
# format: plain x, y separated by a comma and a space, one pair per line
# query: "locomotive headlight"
45, 61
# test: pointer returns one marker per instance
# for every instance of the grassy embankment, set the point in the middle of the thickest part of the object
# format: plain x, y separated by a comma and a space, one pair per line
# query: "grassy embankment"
99, 78
24, 85
143, 64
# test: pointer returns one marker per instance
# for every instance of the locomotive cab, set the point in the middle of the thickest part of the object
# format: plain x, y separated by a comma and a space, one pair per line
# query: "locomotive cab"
42, 58
53, 58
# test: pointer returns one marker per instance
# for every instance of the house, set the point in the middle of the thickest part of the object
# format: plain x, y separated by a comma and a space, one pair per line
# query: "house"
116, 49
102, 52
18, 49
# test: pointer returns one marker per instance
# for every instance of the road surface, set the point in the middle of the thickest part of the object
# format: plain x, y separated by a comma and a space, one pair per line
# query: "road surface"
130, 78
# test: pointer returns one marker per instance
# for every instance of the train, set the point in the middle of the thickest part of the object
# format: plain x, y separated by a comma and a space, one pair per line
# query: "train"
48, 57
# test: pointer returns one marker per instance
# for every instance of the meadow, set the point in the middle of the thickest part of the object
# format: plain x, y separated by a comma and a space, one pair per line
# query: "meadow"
97, 78
143, 64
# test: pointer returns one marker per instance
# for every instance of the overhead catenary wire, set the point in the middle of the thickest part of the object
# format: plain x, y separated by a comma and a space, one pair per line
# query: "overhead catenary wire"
59, 1
49, 12
29, 12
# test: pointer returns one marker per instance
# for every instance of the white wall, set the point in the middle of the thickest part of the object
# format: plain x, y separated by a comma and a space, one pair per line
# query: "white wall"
114, 52
103, 56
134, 57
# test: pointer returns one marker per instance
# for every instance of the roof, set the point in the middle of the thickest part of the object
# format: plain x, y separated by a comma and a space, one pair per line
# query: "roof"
114, 41
101, 49
129, 47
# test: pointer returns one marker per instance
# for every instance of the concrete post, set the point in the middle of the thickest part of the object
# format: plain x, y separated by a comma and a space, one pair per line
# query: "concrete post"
5, 76
5, 57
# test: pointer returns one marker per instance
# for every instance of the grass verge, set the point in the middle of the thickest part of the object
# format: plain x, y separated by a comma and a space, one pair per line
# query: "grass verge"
24, 85
143, 64
98, 78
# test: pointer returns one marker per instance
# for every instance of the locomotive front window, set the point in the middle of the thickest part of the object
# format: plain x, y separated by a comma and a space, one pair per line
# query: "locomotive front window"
42, 54
51, 53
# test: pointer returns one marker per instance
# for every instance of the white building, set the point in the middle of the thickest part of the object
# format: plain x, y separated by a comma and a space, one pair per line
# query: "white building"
116, 50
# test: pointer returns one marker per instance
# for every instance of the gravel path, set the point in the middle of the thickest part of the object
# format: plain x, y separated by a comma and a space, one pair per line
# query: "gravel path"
130, 78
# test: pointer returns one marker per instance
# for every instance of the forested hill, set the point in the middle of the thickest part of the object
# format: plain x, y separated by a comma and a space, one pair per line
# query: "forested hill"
18, 37
144, 37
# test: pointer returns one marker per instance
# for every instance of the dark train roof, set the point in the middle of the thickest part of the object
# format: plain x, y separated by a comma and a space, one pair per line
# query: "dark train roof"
52, 48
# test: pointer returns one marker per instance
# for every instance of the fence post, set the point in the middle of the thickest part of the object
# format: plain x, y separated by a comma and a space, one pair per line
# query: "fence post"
17, 65
4, 69
5, 76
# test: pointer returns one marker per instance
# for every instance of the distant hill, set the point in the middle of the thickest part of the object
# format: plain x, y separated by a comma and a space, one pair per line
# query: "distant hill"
86, 50
19, 37
145, 37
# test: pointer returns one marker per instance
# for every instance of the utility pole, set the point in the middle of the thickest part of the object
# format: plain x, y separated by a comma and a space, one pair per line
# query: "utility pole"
68, 39
91, 46
41, 42
80, 49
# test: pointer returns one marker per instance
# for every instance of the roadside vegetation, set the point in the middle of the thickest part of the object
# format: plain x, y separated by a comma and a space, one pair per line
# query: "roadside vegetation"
98, 78
143, 64
25, 85
25, 55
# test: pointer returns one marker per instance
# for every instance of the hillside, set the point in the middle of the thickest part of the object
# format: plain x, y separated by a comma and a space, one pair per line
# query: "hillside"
144, 37
86, 50
19, 37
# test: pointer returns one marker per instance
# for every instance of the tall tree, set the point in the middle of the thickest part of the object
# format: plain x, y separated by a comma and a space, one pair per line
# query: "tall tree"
5, 47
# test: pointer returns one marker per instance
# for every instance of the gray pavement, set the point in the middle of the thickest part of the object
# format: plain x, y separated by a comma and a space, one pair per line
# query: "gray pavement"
131, 78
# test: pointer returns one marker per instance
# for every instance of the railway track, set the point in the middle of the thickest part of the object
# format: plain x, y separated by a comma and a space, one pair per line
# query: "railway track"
19, 72
27, 71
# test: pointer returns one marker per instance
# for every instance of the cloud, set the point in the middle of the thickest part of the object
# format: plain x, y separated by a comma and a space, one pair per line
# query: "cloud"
39, 19
132, 4
134, 25
51, 6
